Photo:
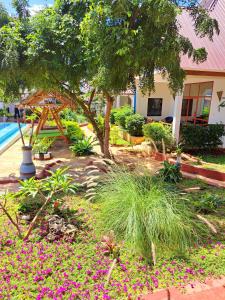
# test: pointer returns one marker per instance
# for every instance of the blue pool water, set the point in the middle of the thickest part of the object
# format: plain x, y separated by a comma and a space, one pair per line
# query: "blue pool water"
8, 131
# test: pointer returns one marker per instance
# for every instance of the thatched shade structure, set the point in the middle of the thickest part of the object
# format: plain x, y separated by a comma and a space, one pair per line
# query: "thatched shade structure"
51, 104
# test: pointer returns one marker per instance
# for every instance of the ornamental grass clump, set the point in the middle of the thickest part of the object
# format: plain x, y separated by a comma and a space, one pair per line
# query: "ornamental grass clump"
142, 211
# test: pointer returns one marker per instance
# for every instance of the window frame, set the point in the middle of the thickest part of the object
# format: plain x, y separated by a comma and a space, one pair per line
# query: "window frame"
148, 107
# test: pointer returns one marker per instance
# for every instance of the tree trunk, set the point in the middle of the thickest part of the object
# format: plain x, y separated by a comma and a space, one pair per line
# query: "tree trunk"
109, 105
89, 115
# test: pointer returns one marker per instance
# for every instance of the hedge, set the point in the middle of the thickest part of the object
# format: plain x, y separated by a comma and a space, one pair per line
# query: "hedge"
134, 124
202, 137
158, 132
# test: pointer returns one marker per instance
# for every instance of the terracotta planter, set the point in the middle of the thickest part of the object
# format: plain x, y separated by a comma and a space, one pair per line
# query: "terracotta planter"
134, 140
27, 168
160, 156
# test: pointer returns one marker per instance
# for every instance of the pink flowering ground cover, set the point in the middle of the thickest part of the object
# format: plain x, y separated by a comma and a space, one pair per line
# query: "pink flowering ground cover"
39, 269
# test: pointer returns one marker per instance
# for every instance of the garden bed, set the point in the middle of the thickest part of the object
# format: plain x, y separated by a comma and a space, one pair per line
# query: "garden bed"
43, 270
213, 161
194, 167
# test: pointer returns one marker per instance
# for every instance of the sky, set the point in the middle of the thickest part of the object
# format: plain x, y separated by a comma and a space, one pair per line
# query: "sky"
34, 4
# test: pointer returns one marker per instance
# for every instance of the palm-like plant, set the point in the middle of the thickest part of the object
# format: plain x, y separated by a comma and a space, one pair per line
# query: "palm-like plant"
143, 212
83, 147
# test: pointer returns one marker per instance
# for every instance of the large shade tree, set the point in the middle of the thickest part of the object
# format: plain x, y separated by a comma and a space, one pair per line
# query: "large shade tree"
103, 45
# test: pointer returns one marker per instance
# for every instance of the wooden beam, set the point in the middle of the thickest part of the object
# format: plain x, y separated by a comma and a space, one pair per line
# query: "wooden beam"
205, 73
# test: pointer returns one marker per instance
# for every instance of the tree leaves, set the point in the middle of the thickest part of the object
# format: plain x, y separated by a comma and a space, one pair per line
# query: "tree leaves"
104, 43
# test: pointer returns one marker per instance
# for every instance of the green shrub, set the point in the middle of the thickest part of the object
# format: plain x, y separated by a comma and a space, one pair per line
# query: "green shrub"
41, 145
170, 173
202, 137
112, 115
74, 132
158, 132
141, 211
81, 118
115, 138
134, 124
121, 114
83, 147
69, 115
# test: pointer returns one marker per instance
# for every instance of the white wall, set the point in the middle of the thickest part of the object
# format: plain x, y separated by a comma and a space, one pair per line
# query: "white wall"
122, 100
161, 91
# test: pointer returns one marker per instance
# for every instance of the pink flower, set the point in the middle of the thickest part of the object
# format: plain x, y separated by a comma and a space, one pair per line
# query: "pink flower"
38, 278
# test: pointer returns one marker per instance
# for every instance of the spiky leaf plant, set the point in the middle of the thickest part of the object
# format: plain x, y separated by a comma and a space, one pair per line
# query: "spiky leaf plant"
143, 212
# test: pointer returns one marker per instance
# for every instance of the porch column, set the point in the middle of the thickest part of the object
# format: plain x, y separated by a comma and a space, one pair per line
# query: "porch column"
177, 116
118, 101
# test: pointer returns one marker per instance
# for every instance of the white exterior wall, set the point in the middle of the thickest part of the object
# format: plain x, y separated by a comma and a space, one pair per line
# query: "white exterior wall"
162, 91
122, 100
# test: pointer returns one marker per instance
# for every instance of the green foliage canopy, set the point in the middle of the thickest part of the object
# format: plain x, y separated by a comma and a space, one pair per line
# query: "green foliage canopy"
105, 43
125, 39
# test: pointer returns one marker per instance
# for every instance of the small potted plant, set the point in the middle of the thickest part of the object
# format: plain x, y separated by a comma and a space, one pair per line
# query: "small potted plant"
41, 148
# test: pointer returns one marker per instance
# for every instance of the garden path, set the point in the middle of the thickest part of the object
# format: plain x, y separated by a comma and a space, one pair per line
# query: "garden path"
11, 159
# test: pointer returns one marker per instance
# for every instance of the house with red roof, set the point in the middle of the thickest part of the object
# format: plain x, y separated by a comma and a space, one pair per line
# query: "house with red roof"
204, 85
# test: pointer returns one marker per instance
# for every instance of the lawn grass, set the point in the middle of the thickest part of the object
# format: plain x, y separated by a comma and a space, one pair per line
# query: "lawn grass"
217, 161
42, 270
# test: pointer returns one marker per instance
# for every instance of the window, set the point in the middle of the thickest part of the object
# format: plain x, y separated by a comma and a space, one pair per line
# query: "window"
197, 102
154, 106
187, 106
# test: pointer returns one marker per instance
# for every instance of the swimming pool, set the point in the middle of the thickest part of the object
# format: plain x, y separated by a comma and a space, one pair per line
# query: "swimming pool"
9, 132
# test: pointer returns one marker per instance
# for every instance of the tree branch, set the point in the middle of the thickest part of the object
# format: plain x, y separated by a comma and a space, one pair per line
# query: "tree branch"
91, 98
34, 221
16, 225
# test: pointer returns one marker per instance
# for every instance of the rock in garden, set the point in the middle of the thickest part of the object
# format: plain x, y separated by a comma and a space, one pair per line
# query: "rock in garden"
26, 217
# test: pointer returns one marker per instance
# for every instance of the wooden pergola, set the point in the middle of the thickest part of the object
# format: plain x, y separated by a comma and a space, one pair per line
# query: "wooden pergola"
51, 103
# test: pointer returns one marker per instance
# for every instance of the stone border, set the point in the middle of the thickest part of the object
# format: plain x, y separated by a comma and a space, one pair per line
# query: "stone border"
194, 170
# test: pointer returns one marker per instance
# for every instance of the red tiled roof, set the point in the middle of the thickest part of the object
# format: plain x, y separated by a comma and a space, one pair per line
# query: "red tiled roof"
216, 48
